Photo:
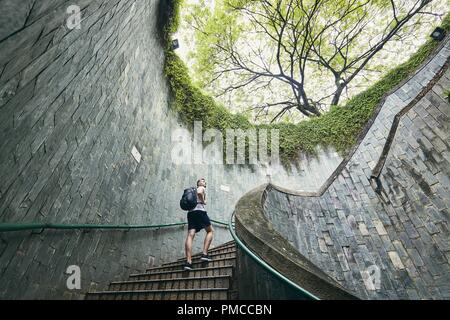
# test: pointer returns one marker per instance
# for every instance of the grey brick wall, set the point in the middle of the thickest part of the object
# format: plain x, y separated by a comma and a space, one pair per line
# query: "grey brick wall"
73, 103
401, 233
71, 113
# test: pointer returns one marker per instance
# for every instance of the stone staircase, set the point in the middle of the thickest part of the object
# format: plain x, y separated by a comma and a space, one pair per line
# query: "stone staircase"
207, 281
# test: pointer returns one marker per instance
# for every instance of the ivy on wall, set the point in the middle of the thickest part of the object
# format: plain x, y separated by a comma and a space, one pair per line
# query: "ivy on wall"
338, 128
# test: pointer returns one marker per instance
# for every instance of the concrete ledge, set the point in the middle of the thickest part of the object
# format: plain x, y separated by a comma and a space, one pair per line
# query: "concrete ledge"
258, 234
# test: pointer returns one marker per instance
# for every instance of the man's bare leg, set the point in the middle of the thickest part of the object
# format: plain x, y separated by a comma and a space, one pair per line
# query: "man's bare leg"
188, 245
208, 239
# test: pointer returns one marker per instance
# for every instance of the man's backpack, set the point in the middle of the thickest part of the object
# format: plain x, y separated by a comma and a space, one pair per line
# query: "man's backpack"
189, 199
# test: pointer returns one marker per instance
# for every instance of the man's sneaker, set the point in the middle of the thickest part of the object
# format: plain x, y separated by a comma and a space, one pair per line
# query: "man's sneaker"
205, 257
188, 266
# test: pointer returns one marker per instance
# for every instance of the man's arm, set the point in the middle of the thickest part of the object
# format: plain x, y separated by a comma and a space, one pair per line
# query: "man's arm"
201, 194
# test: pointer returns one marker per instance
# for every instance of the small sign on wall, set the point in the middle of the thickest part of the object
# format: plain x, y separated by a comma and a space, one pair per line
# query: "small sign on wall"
136, 154
225, 188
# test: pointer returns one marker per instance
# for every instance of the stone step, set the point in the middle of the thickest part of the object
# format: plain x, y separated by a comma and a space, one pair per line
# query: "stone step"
222, 281
208, 280
176, 294
199, 272
216, 255
225, 248
196, 264
219, 248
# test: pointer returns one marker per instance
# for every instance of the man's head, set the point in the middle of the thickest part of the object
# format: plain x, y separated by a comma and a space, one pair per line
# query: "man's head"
201, 182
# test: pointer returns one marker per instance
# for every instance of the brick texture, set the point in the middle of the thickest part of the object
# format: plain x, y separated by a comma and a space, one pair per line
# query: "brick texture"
401, 233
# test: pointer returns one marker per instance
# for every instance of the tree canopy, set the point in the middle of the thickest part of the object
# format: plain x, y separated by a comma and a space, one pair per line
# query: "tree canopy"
297, 56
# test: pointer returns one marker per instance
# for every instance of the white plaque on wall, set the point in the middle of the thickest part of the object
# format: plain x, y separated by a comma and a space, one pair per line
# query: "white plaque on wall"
136, 154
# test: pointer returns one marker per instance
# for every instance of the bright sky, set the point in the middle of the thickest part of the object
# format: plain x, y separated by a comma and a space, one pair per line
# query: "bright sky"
393, 54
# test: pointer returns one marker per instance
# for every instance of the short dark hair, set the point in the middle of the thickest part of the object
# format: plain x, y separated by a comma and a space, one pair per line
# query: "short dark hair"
200, 180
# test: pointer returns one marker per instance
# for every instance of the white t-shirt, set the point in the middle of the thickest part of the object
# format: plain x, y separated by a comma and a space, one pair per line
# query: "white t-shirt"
200, 206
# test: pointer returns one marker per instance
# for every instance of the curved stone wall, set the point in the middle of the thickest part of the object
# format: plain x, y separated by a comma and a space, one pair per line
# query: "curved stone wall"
385, 239
73, 104
258, 234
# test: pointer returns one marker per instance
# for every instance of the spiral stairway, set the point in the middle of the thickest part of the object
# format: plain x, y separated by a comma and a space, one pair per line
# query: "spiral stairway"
207, 281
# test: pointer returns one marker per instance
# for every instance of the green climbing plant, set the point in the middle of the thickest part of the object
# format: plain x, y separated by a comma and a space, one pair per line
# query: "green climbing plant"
338, 128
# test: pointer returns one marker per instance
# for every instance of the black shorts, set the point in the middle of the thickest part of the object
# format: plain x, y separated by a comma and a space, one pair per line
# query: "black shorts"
198, 220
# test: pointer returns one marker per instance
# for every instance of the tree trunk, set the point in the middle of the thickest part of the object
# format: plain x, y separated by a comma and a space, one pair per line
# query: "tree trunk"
337, 94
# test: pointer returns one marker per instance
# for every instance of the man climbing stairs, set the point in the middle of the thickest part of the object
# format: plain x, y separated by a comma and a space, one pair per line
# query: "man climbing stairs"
207, 281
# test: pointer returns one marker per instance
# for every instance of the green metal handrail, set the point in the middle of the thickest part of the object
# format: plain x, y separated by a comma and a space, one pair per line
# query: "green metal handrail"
265, 265
220, 223
9, 227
